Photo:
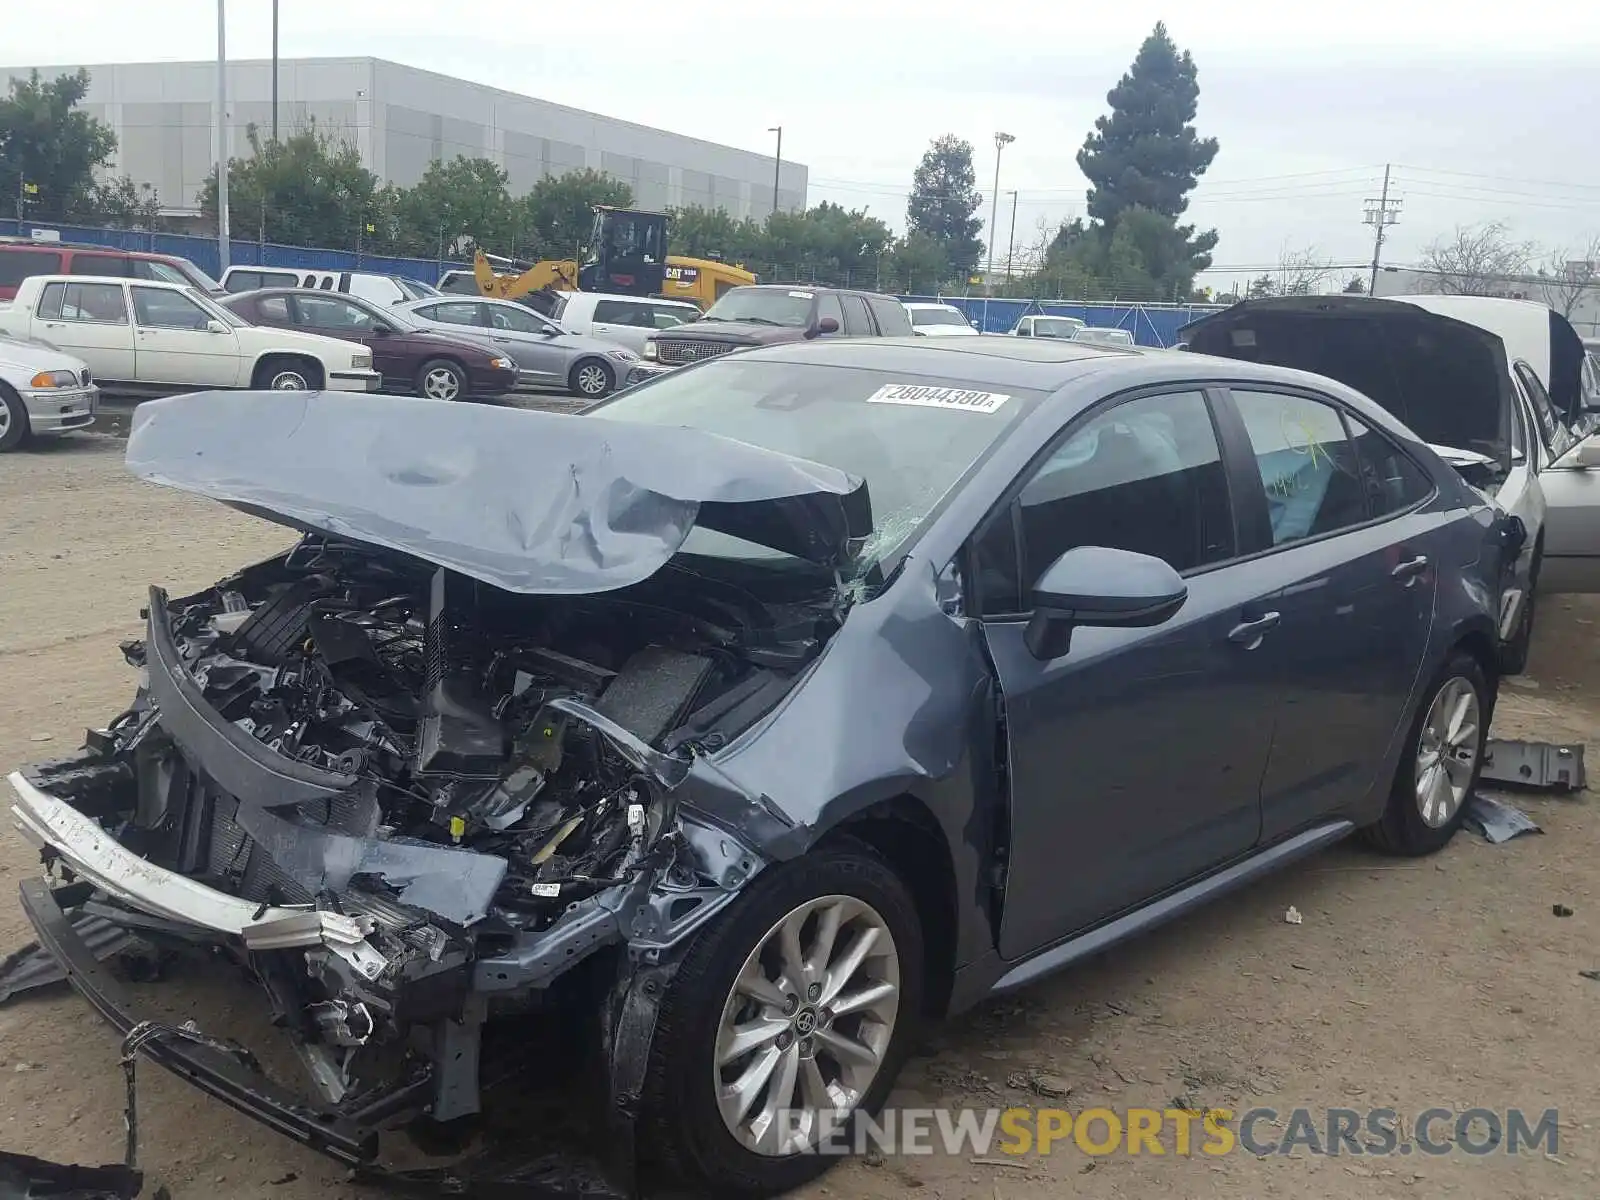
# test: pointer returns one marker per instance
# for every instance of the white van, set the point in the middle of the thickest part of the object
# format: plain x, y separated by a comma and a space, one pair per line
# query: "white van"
366, 285
626, 320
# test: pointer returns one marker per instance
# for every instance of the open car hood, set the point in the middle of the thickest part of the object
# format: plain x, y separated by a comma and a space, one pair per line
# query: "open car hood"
527, 501
1446, 379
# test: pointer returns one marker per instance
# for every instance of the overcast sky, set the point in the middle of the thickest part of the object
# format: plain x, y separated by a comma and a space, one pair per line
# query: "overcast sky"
1487, 112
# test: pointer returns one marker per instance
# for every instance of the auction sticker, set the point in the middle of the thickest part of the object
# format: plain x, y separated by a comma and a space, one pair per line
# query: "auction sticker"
938, 397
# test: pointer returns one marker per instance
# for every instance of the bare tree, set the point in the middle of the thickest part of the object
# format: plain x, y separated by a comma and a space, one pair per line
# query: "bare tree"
1301, 272
1477, 260
1570, 275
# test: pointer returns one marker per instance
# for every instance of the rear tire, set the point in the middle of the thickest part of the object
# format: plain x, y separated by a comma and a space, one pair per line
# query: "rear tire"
591, 379
685, 1129
1440, 762
441, 379
285, 373
13, 420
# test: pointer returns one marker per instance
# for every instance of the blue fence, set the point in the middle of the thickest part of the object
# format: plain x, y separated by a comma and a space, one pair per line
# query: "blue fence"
1150, 324
203, 251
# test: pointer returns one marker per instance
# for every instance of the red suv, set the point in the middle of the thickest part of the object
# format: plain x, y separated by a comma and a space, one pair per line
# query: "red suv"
23, 257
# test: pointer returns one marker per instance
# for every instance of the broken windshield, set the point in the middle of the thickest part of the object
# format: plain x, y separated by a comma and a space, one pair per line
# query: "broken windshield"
912, 438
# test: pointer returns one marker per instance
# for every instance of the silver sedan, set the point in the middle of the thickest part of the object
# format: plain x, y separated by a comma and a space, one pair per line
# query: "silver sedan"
546, 354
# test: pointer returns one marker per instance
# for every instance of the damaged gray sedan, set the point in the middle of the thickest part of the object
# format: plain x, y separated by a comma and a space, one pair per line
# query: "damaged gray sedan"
762, 710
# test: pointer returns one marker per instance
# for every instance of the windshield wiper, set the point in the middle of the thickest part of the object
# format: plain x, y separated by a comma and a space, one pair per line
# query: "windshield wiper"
748, 320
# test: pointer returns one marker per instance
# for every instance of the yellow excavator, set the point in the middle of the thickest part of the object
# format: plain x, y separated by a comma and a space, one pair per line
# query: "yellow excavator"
626, 254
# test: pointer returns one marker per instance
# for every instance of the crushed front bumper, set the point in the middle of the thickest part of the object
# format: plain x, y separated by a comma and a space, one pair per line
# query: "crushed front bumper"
228, 1078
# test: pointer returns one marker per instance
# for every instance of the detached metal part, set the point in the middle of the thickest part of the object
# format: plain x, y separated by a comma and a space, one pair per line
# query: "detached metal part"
1546, 765
33, 967
22, 1176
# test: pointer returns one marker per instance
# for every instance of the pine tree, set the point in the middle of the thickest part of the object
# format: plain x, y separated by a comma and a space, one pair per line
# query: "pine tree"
944, 203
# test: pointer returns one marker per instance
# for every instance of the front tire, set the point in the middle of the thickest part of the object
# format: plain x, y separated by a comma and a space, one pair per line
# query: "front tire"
284, 374
591, 379
1441, 762
441, 379
798, 1002
13, 420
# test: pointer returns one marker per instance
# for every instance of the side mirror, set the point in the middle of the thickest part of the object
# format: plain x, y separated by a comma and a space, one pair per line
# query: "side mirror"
974, 324
548, 330
1099, 586
826, 325
216, 327
381, 330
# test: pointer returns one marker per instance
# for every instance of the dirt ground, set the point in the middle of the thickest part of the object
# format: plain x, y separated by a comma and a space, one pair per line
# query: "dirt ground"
1445, 983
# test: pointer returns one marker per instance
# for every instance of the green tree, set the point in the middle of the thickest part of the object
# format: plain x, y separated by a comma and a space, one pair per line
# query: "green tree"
1261, 287
123, 204
1145, 154
46, 142
305, 190
945, 200
917, 266
827, 243
558, 213
698, 232
462, 200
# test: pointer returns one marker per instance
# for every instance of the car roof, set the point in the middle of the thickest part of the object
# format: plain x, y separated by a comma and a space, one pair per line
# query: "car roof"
16, 243
155, 283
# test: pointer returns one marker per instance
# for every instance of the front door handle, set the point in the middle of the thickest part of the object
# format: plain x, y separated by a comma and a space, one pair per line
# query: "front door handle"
1411, 570
1249, 633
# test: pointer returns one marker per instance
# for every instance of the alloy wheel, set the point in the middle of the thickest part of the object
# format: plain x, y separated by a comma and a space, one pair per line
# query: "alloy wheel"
441, 384
5, 419
592, 379
1447, 752
806, 1025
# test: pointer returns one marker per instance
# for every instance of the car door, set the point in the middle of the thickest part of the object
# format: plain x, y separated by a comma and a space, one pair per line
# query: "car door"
1571, 552
335, 316
89, 321
176, 341
625, 322
1134, 762
540, 347
1348, 580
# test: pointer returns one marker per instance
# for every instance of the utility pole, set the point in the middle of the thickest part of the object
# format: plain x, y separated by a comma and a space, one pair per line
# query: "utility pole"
1011, 243
777, 165
274, 70
1001, 141
222, 135
1381, 214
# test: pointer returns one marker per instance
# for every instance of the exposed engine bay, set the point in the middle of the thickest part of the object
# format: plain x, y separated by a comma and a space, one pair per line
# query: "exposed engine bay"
473, 789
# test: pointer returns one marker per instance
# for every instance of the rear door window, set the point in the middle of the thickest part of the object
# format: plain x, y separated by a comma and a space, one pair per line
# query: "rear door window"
622, 312
670, 316
1393, 481
100, 264
17, 265
891, 316
1307, 465
96, 303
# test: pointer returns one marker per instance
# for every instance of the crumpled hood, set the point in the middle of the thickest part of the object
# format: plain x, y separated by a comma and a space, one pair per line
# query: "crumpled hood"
528, 501
743, 333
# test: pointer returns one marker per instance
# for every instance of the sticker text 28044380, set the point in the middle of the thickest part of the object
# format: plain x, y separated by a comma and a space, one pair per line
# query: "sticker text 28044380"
938, 397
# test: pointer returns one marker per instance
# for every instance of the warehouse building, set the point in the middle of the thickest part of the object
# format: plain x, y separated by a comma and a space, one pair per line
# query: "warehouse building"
401, 119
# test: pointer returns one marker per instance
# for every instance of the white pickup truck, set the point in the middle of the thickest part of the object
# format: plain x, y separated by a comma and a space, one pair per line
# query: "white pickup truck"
161, 337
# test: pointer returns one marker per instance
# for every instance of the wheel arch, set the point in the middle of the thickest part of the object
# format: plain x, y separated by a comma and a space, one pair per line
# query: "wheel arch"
27, 423
305, 357
903, 831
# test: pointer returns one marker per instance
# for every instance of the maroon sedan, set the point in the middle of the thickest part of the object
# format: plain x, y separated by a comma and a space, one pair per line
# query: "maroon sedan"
440, 366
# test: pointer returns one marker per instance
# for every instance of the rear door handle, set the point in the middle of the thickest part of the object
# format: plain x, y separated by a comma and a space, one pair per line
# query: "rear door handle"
1249, 633
1411, 570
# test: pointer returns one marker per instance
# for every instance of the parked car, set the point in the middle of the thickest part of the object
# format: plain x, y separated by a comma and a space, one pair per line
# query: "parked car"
1474, 396
43, 392
755, 714
546, 354
769, 314
367, 285
139, 336
1103, 337
22, 258
939, 320
408, 355
1043, 326
626, 320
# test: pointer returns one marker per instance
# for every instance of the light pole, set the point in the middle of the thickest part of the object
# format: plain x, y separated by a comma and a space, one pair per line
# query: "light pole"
777, 165
1011, 242
222, 134
274, 70
1001, 141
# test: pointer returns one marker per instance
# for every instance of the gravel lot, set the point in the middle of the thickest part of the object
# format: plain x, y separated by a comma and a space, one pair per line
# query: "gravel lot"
1443, 983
